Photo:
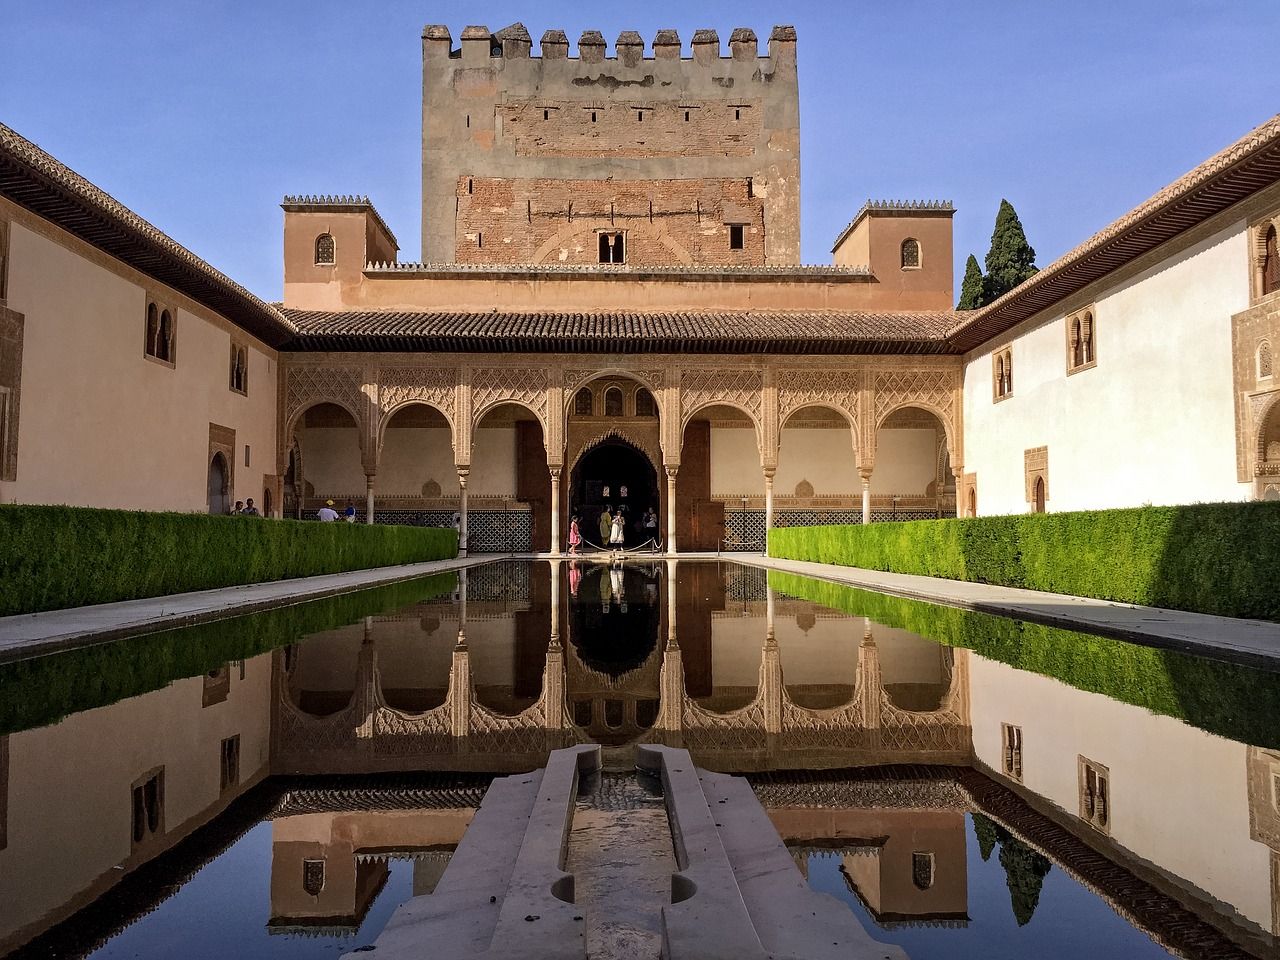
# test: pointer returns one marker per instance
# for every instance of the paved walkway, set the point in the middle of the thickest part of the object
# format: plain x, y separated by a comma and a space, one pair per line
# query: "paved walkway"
34, 634
1254, 643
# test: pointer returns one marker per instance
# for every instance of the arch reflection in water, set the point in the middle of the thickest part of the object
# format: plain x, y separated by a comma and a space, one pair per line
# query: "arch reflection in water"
530, 656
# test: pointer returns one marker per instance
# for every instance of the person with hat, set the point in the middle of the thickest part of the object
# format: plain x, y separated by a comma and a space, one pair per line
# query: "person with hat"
327, 514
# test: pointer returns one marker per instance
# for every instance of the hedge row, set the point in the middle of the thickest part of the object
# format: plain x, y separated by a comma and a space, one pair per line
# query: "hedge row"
55, 557
1235, 702
43, 690
1218, 558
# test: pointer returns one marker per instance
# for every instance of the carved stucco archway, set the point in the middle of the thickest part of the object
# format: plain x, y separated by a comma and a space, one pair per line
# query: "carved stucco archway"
949, 430
688, 418
385, 420
625, 432
848, 416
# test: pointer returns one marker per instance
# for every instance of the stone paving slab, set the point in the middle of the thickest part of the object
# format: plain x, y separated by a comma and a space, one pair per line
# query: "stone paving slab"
35, 634
1252, 643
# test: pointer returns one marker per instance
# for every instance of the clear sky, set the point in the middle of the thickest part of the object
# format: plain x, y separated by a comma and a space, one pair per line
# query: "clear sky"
201, 116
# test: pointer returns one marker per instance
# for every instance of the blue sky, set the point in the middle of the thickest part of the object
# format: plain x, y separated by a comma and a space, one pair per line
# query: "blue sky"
201, 116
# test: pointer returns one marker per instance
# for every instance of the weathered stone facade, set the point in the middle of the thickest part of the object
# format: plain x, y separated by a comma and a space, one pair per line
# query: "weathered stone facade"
516, 147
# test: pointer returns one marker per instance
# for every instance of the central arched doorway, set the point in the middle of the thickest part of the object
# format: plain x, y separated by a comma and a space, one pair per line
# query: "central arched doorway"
614, 475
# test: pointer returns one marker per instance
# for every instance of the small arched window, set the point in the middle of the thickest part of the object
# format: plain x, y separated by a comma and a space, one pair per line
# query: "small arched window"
910, 253
152, 348
1270, 262
1077, 344
613, 402
164, 347
1086, 336
1039, 495
582, 402
646, 406
1002, 374
313, 877
239, 369
325, 249
973, 502
1264, 359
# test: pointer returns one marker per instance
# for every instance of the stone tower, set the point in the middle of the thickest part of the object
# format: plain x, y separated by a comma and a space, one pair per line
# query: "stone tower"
635, 159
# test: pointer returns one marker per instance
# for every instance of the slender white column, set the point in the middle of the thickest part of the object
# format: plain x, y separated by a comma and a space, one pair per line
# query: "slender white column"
555, 512
768, 507
671, 509
866, 497
368, 498
463, 473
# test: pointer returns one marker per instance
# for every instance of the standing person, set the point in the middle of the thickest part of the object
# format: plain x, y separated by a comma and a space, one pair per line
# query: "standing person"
605, 524
249, 509
575, 535
238, 508
617, 530
651, 524
327, 514
350, 513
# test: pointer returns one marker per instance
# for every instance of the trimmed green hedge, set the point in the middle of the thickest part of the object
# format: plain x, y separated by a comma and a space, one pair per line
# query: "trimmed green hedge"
1238, 703
1218, 558
43, 690
55, 557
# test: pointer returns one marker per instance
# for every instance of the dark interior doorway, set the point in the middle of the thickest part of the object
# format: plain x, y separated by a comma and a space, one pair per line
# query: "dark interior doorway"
599, 480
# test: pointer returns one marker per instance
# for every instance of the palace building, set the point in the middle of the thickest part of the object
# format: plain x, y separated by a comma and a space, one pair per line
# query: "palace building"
611, 297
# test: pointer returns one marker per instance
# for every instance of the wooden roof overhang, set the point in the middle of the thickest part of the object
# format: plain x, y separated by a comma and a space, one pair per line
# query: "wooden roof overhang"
1233, 175
34, 180
762, 332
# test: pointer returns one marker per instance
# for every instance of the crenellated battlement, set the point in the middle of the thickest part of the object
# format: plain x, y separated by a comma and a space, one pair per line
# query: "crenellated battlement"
515, 43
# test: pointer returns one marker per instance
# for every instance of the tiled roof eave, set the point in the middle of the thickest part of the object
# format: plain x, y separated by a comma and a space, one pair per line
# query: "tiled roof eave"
38, 182
1233, 175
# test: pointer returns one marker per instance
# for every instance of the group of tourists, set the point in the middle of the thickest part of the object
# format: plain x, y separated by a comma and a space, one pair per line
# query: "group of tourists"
245, 508
613, 528
327, 514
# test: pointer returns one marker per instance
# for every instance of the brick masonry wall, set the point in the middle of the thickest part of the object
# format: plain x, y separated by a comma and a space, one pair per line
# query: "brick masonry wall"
689, 127
558, 221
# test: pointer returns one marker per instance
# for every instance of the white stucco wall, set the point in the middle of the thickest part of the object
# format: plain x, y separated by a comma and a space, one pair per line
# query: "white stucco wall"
825, 458
1153, 422
70, 803
493, 462
100, 424
1179, 796
411, 456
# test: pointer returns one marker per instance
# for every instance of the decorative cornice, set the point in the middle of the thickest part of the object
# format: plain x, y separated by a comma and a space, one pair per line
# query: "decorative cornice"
797, 272
896, 208
337, 203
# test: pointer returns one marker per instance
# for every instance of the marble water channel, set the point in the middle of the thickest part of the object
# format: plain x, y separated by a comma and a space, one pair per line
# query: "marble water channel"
967, 786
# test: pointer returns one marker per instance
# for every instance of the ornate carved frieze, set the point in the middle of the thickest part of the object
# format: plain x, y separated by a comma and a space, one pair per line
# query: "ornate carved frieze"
491, 386
837, 389
433, 385
305, 386
737, 387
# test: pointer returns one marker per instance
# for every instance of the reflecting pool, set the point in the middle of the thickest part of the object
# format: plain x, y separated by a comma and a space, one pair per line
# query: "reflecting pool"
971, 786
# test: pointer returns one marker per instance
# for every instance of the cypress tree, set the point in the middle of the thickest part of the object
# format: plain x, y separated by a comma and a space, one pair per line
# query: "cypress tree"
1025, 870
971, 292
1011, 259
984, 829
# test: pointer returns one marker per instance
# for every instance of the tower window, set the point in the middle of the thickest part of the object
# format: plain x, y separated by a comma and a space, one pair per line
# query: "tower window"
910, 253
229, 764
737, 114
639, 116
160, 333
593, 116
1002, 374
922, 870
686, 116
582, 402
325, 250
471, 186
646, 406
736, 240
546, 114
239, 369
1264, 360
313, 876
613, 248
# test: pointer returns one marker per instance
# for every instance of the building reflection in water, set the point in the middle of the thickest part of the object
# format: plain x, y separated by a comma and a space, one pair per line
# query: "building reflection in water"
525, 657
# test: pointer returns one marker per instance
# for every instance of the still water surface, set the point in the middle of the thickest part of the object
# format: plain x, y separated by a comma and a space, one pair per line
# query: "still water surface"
274, 786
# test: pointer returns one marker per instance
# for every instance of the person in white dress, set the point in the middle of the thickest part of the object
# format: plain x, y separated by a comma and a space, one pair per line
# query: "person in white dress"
615, 535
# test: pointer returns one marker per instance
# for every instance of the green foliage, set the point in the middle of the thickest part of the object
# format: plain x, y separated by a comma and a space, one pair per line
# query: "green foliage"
1233, 702
56, 557
43, 690
1216, 558
1011, 259
1024, 873
971, 290
985, 831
